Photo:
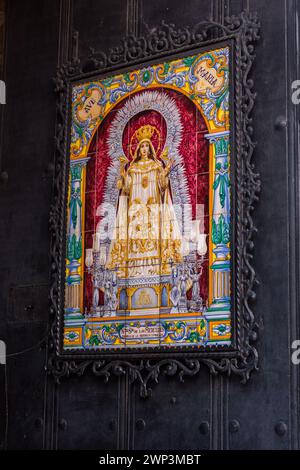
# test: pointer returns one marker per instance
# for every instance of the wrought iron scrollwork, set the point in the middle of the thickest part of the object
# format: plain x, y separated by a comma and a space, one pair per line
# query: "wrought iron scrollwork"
159, 42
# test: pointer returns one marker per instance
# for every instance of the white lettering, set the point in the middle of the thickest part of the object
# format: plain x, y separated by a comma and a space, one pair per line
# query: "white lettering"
296, 354
2, 353
2, 92
296, 93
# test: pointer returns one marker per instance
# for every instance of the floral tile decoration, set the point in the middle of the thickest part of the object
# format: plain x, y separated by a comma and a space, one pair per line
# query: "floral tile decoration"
148, 220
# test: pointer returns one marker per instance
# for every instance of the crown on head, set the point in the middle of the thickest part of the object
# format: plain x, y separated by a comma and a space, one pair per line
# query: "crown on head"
145, 132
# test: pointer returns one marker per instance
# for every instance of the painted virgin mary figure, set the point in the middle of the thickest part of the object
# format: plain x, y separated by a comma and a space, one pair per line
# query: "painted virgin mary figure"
146, 238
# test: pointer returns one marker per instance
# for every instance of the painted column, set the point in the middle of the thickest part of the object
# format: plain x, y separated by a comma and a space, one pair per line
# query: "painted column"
74, 241
220, 235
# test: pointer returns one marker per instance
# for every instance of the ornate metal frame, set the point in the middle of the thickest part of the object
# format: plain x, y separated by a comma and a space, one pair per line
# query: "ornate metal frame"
242, 31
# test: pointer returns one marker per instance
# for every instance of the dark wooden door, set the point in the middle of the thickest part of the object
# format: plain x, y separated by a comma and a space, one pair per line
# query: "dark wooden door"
206, 412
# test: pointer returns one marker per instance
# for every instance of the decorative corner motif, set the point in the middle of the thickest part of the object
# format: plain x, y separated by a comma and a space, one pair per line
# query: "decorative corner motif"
162, 41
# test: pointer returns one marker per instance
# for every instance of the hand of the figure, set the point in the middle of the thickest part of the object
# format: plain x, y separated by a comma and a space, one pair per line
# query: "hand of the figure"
168, 161
120, 183
168, 167
164, 154
123, 161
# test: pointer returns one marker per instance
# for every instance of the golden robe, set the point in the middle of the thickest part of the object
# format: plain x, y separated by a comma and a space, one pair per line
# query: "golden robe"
146, 236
